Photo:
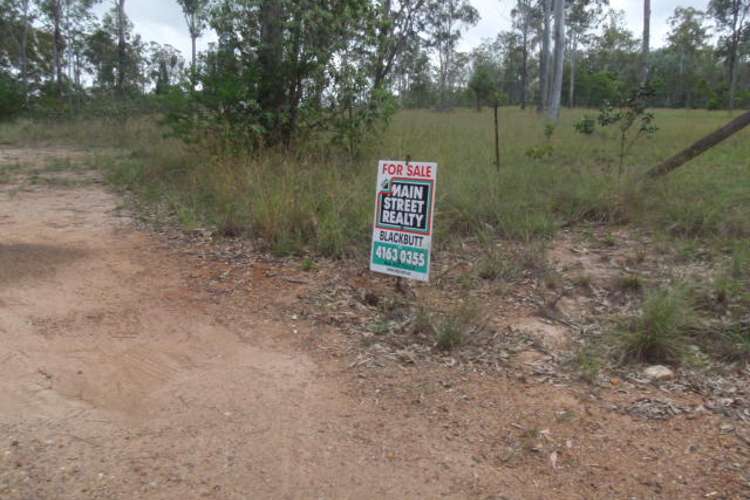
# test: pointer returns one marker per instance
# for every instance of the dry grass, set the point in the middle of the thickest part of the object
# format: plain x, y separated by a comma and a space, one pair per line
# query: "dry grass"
321, 202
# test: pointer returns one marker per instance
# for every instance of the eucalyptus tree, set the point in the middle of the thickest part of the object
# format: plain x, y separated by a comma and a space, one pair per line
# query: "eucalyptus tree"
283, 69
553, 113
544, 54
165, 66
523, 15
646, 41
196, 13
731, 17
122, 54
77, 20
688, 40
445, 23
398, 23
582, 16
53, 15
105, 54
18, 19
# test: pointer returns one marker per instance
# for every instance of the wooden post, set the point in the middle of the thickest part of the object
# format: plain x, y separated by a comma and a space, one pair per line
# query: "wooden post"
700, 146
497, 137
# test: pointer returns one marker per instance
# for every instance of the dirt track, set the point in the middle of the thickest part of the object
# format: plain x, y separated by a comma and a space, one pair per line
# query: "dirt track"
122, 376
120, 379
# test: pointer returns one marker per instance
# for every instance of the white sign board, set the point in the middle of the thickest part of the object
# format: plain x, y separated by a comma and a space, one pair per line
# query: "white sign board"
404, 209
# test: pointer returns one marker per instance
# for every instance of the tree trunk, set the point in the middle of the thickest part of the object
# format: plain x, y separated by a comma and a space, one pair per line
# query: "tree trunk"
193, 67
384, 34
272, 95
553, 113
646, 44
24, 55
497, 136
733, 53
122, 56
57, 44
544, 83
525, 61
733, 77
701, 146
572, 89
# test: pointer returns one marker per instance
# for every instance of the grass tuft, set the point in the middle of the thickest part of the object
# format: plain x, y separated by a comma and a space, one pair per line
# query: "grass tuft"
659, 334
449, 334
630, 283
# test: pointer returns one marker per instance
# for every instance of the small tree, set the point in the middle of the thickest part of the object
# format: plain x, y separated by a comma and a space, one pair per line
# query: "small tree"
632, 120
195, 17
482, 84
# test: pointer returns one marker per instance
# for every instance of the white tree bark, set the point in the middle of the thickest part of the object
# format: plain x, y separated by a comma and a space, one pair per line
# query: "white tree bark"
646, 47
553, 113
572, 88
544, 62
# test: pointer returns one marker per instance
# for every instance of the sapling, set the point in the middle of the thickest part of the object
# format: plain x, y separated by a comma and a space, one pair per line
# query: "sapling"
632, 120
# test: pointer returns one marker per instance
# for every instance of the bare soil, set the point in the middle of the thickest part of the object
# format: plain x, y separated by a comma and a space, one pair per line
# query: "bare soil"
136, 365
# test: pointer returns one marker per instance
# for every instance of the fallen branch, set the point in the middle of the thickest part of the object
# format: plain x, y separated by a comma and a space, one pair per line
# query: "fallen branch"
701, 146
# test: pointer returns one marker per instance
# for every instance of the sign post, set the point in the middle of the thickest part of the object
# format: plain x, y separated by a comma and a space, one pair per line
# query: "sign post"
404, 210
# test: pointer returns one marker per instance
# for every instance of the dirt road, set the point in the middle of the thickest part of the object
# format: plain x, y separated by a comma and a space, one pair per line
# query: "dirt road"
119, 377
123, 375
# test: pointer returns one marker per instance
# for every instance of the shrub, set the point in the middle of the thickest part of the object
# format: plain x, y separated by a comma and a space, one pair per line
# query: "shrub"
11, 97
586, 125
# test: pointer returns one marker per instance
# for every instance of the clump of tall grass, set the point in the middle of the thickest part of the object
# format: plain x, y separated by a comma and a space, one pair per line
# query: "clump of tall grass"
659, 334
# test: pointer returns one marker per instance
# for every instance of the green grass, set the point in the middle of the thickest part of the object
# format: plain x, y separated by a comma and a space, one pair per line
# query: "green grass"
735, 342
449, 334
661, 332
322, 202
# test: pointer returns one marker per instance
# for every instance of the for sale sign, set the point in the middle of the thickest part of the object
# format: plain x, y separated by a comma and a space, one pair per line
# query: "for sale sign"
404, 207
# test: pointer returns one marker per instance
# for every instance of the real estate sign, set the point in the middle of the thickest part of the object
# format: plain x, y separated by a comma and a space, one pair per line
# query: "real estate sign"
404, 208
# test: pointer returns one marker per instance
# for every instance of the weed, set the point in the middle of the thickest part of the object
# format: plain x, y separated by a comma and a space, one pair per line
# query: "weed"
553, 280
422, 322
582, 280
7, 170
630, 283
740, 262
449, 334
589, 364
467, 281
659, 333
451, 331
60, 182
726, 289
308, 265
637, 259
735, 341
497, 265
549, 131
540, 152
62, 165
380, 327
586, 126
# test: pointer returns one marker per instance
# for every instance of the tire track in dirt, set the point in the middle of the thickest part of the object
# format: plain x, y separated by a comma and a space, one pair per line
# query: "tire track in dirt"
120, 378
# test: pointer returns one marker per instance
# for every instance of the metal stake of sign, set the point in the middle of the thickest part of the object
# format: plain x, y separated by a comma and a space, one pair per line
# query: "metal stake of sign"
400, 288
